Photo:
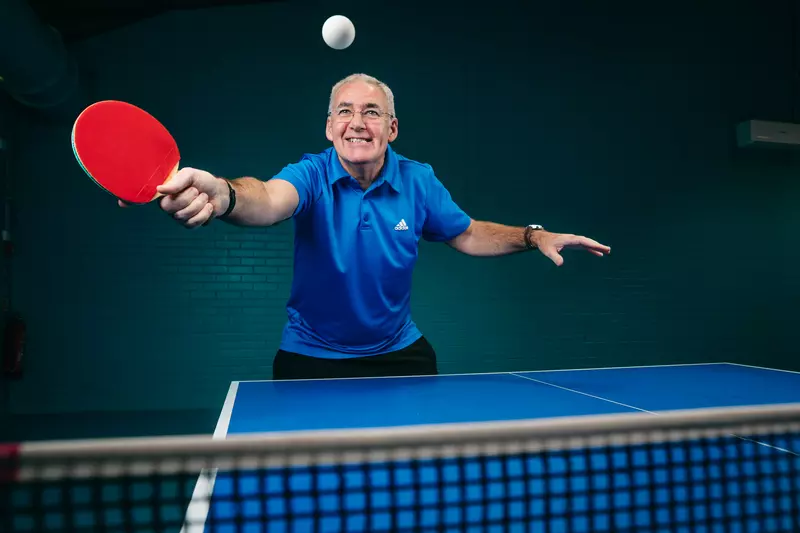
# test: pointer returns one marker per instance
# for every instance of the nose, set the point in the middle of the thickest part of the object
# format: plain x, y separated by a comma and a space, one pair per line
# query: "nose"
357, 122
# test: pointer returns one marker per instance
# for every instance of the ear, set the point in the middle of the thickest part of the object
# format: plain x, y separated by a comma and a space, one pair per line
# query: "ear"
329, 130
393, 129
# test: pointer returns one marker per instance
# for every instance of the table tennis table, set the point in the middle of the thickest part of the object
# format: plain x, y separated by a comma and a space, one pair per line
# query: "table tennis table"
588, 501
695, 447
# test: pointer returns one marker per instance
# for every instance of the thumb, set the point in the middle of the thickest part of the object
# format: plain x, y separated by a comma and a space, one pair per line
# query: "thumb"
554, 256
181, 181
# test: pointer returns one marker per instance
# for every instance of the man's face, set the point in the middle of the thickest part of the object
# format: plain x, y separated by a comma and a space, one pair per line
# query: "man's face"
359, 126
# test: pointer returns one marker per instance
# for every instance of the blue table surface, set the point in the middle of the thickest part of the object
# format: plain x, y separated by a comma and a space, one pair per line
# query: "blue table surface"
262, 406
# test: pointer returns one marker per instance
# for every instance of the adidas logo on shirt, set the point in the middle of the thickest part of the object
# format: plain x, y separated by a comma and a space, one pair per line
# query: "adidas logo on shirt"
401, 226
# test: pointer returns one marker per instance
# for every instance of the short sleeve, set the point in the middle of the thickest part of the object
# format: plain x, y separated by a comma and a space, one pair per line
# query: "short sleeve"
444, 219
306, 177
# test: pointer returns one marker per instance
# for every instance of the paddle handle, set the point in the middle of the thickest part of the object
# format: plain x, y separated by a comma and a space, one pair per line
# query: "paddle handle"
169, 177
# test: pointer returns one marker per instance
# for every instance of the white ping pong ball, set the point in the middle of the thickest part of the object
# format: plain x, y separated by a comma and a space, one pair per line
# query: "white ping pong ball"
338, 32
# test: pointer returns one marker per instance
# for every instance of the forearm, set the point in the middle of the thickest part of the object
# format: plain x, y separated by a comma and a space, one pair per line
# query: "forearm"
491, 239
253, 205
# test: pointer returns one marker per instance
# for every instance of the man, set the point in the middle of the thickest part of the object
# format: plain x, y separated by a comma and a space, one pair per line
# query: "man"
359, 210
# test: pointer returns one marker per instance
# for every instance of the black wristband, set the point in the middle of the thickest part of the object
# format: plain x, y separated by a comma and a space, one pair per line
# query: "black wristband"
231, 200
527, 236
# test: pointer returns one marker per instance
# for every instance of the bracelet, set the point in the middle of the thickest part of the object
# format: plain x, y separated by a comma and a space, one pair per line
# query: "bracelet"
231, 200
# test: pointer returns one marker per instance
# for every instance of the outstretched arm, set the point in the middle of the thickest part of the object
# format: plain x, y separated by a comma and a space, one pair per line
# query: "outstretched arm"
193, 197
484, 239
259, 203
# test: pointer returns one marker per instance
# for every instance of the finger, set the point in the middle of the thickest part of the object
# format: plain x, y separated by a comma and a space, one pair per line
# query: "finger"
553, 255
594, 245
121, 203
194, 207
590, 244
597, 253
176, 202
182, 180
201, 218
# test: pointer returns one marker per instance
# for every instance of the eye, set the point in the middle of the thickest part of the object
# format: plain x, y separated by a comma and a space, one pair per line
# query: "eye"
344, 112
373, 113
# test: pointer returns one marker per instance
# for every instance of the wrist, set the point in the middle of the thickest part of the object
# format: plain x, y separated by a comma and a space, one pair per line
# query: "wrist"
226, 196
531, 236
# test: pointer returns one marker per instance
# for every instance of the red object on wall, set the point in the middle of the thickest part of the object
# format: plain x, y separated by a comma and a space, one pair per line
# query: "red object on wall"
9, 462
13, 347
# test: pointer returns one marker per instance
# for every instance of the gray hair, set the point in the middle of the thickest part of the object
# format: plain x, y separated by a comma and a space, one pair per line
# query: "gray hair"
368, 79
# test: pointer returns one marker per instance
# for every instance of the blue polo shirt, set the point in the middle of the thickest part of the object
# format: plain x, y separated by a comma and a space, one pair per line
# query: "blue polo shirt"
355, 250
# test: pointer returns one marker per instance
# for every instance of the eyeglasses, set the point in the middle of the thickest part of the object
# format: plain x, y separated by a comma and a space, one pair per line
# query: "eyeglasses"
367, 115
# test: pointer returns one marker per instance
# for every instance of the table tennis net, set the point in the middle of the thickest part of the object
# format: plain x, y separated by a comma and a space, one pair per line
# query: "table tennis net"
731, 469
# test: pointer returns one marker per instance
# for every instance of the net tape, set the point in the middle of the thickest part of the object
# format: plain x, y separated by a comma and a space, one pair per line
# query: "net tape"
144, 456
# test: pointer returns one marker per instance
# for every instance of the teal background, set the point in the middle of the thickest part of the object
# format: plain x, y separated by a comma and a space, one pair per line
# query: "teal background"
615, 121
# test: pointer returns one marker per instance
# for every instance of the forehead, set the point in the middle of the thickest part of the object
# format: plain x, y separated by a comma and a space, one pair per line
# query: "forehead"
360, 93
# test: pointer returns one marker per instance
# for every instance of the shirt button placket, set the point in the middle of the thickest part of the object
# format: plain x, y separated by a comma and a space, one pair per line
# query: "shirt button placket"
365, 218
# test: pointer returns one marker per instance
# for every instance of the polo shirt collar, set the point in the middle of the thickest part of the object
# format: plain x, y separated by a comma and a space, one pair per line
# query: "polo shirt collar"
390, 173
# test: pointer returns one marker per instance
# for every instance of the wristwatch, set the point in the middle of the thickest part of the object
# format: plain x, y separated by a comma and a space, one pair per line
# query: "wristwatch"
529, 229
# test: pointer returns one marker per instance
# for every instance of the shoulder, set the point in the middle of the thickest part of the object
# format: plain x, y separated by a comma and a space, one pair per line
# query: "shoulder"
318, 160
318, 157
310, 165
415, 171
420, 175
412, 165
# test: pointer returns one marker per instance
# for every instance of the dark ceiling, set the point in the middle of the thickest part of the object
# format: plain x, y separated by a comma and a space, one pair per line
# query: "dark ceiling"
78, 19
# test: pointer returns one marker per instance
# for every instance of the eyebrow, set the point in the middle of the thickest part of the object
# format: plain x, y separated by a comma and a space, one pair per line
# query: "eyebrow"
369, 105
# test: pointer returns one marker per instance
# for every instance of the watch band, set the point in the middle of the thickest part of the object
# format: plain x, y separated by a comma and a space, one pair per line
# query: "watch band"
530, 228
231, 200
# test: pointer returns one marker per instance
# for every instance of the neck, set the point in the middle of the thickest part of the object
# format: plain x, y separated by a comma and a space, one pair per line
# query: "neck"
364, 173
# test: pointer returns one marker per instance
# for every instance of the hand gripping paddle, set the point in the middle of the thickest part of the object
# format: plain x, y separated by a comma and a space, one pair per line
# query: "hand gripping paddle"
125, 150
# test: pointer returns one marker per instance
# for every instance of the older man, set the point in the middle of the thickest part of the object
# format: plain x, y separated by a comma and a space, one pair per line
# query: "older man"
359, 210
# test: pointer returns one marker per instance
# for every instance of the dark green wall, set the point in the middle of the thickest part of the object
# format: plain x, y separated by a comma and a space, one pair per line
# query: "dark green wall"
616, 122
6, 127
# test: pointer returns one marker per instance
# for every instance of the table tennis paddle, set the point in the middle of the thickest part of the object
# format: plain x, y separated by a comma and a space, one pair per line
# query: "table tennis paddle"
125, 150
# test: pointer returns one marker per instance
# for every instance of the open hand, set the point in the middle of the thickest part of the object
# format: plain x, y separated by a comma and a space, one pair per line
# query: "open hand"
550, 244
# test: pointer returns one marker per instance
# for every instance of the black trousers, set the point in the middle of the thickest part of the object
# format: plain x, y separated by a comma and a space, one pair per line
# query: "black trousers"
417, 359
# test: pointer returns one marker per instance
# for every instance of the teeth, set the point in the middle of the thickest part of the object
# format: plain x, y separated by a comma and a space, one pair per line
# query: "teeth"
357, 140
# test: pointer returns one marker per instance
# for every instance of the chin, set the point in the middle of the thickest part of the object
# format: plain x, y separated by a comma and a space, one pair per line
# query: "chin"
361, 154
360, 158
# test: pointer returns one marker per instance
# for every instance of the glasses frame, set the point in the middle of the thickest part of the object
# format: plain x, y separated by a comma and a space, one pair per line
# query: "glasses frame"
333, 116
